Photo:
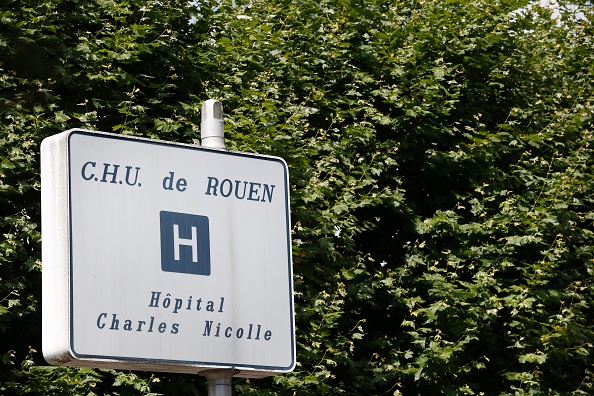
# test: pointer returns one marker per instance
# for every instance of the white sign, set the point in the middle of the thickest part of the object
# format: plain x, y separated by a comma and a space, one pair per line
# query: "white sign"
165, 257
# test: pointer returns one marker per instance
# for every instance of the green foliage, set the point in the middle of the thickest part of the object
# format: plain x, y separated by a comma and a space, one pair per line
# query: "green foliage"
440, 158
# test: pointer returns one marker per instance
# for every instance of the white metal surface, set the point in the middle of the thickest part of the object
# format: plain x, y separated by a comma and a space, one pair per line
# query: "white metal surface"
116, 214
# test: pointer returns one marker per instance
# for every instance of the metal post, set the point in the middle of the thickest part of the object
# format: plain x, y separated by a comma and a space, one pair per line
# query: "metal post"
212, 131
220, 386
212, 128
219, 382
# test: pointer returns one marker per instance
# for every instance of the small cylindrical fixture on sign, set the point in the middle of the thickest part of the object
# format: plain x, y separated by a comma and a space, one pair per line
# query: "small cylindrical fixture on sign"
212, 126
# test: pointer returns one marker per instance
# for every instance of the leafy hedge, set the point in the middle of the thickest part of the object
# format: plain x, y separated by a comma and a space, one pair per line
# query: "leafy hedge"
440, 157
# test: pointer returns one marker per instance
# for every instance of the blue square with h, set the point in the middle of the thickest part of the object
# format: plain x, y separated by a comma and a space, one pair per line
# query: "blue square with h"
185, 243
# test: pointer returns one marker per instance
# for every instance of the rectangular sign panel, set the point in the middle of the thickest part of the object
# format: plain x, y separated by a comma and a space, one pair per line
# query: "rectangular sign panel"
165, 257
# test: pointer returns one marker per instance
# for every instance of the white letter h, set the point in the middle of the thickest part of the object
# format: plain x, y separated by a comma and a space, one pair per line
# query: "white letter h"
193, 243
